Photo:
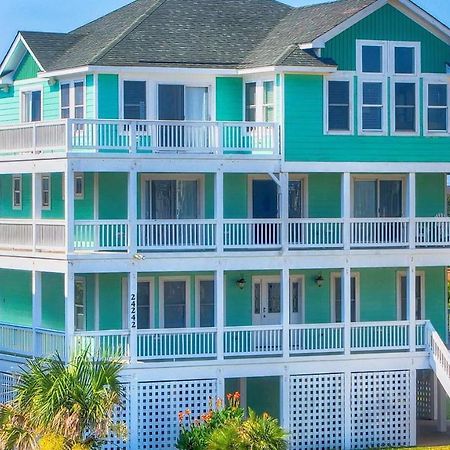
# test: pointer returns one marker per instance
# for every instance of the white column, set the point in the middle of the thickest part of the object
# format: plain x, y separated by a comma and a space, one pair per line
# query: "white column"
220, 311
132, 211
220, 385
36, 310
134, 416
36, 202
69, 294
347, 409
346, 305
413, 407
442, 409
284, 204
284, 400
69, 209
412, 210
411, 305
132, 313
97, 302
346, 208
218, 202
285, 310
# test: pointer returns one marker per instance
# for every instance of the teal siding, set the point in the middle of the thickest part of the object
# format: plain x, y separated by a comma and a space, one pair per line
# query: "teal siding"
113, 197
209, 195
324, 195
305, 139
229, 98
9, 106
51, 102
84, 208
110, 301
235, 195
430, 194
6, 208
57, 203
108, 96
53, 301
27, 68
388, 24
15, 297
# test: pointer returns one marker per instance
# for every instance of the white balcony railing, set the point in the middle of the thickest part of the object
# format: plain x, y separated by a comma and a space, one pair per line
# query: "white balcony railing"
101, 235
433, 232
253, 340
112, 343
377, 232
321, 338
315, 233
378, 336
259, 139
252, 233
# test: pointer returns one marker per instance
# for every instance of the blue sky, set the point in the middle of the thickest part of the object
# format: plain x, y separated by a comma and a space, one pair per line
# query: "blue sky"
64, 15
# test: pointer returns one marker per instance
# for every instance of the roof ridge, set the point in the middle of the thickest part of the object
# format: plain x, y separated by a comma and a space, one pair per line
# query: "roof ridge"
149, 11
287, 52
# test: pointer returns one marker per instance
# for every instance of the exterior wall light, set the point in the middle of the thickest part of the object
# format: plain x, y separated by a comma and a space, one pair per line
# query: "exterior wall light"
319, 280
241, 283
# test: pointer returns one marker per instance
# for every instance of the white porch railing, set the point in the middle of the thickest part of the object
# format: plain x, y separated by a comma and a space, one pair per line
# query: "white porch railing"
432, 232
376, 232
177, 343
253, 340
252, 233
379, 336
50, 235
176, 235
16, 234
316, 338
33, 138
315, 233
96, 235
16, 339
111, 343
439, 357
50, 342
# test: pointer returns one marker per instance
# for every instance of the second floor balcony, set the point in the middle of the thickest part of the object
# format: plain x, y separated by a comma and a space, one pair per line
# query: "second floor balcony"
146, 138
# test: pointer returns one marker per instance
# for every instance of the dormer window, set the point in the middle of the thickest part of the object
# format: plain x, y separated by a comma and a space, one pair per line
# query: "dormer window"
404, 60
32, 106
372, 58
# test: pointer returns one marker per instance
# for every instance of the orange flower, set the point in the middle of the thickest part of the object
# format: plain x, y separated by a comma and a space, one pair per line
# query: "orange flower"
207, 416
229, 397
237, 396
180, 416
187, 412
265, 416
219, 403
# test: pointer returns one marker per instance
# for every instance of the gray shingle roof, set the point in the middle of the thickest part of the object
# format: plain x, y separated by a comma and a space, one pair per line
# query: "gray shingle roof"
195, 33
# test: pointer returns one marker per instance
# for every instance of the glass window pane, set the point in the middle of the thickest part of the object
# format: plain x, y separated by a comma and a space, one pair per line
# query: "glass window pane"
187, 199
295, 297
135, 100
36, 106
79, 93
405, 119
196, 103
274, 305
174, 304
268, 92
257, 294
338, 105
372, 57
437, 119
65, 95
250, 102
295, 199
143, 306
405, 94
372, 93
207, 303
390, 198
337, 299
437, 95
339, 119
164, 199
405, 106
365, 199
338, 92
405, 60
372, 118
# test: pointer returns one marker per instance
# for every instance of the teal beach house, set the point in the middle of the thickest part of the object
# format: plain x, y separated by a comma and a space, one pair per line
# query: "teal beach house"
234, 196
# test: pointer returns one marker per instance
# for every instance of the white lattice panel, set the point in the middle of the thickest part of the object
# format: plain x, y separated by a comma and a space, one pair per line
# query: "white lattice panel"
380, 409
316, 411
159, 404
7, 382
425, 388
121, 415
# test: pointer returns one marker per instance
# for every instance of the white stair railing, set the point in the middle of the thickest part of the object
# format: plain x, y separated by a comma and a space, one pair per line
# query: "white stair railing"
439, 357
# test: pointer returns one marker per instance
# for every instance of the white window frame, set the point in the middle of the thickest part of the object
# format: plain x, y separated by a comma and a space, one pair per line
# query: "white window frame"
304, 183
377, 178
19, 179
400, 274
333, 277
339, 77
122, 99
198, 280
81, 280
384, 113
259, 97
23, 92
411, 80
426, 83
417, 58
149, 280
175, 177
360, 43
48, 177
78, 195
72, 105
162, 299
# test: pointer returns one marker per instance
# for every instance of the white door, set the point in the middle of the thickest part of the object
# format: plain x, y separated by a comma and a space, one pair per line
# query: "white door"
266, 301
175, 306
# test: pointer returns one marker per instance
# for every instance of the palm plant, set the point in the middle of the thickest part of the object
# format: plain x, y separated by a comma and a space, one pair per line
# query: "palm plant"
71, 404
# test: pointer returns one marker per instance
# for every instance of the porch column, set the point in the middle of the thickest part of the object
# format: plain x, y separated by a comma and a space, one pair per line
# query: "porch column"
346, 209
442, 409
69, 209
218, 202
69, 294
220, 312
346, 307
285, 309
36, 203
132, 211
412, 210
285, 400
413, 406
284, 203
132, 313
36, 310
411, 305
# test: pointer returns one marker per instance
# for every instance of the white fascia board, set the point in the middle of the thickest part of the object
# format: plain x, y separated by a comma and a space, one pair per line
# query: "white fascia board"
292, 69
31, 52
6, 80
64, 72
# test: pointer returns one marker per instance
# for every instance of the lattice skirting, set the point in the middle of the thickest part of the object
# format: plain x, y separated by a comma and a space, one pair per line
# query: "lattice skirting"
425, 395
7, 381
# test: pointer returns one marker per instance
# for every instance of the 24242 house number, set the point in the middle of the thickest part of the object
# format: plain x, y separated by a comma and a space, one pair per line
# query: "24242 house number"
133, 311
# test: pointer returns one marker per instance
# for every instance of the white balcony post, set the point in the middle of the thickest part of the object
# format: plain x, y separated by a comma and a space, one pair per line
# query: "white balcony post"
220, 311
411, 306
346, 305
69, 208
133, 314
284, 400
69, 294
284, 203
218, 202
413, 406
412, 210
346, 209
133, 141
132, 211
285, 310
69, 141
36, 198
36, 310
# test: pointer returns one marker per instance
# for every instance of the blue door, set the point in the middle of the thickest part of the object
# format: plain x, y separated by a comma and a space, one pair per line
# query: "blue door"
265, 199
